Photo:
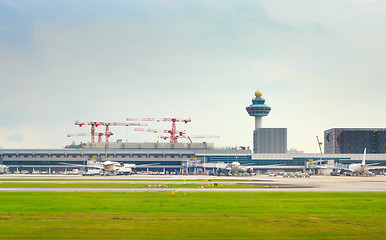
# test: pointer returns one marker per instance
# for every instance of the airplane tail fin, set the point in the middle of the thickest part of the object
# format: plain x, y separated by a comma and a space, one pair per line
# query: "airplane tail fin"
364, 158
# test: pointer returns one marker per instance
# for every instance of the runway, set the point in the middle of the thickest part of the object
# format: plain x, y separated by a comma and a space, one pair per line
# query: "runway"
271, 184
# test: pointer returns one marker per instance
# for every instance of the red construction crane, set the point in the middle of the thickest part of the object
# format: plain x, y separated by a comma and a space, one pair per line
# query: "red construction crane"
93, 126
89, 134
107, 125
191, 136
173, 132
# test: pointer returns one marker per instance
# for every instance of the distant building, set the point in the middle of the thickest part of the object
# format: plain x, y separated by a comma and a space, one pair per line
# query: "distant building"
270, 140
294, 150
355, 140
265, 140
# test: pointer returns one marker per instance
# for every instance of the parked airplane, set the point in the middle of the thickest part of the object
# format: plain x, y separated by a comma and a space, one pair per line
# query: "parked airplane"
110, 167
3, 169
235, 168
358, 168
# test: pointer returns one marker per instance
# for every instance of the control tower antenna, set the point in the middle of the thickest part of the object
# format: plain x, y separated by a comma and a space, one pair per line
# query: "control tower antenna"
258, 109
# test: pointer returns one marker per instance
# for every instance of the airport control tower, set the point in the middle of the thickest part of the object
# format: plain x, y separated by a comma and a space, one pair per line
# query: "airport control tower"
266, 140
258, 109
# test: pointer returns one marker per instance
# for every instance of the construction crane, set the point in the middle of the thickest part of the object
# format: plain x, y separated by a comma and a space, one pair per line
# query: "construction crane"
189, 137
93, 126
123, 124
107, 127
174, 134
89, 134
319, 144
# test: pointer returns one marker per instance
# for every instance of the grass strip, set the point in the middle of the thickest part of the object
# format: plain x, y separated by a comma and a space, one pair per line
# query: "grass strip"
119, 185
194, 216
121, 179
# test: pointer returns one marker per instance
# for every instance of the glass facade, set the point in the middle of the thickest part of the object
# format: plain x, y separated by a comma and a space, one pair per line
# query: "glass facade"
352, 140
258, 108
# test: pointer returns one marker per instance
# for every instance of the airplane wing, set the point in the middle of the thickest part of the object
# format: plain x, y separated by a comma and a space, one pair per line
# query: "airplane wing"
267, 166
147, 165
80, 165
375, 167
373, 164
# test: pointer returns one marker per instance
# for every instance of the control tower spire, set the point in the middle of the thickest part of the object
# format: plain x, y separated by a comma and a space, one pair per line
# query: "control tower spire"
258, 109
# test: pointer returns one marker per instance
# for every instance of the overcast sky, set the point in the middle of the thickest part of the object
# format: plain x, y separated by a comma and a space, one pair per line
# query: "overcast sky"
320, 65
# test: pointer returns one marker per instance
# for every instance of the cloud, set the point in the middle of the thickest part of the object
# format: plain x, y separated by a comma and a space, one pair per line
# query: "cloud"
15, 137
91, 60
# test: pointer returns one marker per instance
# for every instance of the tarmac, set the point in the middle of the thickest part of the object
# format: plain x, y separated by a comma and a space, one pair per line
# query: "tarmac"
272, 184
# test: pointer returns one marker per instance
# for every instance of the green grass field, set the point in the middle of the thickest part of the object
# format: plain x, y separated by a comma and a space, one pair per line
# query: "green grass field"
115, 180
194, 216
118, 185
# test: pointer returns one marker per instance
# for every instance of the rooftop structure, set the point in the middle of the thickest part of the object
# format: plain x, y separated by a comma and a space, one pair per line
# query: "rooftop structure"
148, 145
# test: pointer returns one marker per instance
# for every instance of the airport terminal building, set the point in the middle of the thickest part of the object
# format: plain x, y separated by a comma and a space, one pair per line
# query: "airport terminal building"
159, 157
166, 157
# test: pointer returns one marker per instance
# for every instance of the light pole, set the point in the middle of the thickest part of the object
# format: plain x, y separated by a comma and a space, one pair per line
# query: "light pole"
204, 156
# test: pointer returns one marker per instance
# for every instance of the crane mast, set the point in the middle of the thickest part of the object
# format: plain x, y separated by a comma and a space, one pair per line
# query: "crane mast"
319, 144
107, 125
174, 133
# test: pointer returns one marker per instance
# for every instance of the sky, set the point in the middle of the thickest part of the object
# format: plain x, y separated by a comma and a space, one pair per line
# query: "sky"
320, 65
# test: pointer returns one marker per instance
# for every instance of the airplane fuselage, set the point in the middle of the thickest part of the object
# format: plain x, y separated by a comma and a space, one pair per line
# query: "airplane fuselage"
357, 168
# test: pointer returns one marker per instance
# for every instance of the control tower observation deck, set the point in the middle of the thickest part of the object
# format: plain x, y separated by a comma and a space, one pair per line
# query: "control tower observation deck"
266, 140
258, 109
